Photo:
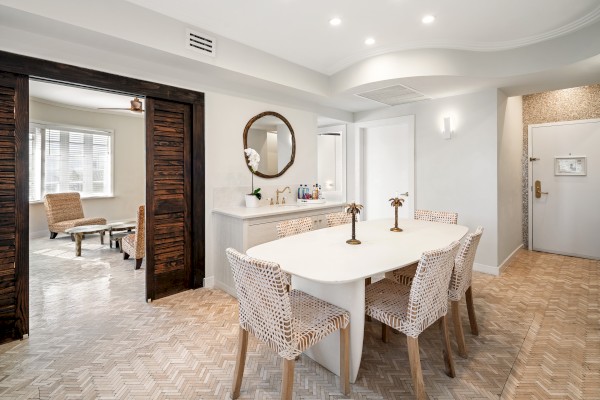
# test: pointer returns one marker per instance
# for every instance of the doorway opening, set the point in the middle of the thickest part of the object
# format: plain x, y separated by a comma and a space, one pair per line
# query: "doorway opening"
387, 166
174, 184
91, 143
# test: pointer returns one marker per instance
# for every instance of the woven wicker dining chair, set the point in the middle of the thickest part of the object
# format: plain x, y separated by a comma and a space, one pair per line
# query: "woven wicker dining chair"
460, 285
287, 322
134, 244
412, 309
338, 218
404, 275
445, 217
293, 227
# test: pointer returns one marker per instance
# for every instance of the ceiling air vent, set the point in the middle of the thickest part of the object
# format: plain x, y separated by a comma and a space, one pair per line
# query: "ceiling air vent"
394, 95
201, 43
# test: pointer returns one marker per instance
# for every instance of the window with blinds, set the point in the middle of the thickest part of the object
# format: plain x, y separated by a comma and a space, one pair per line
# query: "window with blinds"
67, 159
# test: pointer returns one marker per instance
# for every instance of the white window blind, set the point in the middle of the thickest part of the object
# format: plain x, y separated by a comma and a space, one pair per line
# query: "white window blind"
67, 159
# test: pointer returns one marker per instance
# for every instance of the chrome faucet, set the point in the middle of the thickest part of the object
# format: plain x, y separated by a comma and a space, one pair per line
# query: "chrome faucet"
281, 191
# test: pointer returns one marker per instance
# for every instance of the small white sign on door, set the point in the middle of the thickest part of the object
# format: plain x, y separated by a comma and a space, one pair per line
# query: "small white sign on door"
570, 165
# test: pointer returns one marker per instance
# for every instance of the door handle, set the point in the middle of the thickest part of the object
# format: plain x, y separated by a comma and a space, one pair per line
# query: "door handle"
538, 190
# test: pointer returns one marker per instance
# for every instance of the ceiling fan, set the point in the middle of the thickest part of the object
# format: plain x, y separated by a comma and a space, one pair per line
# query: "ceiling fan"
136, 106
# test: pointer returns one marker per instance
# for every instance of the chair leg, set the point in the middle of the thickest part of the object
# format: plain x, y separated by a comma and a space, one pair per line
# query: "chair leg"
53, 235
458, 330
385, 333
287, 384
138, 263
345, 360
471, 311
447, 351
240, 362
125, 256
367, 283
415, 367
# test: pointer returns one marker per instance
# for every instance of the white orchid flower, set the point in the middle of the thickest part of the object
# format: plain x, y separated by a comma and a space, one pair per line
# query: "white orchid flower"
253, 158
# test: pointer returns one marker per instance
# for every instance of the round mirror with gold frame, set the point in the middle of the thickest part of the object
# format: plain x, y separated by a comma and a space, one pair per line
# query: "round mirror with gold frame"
272, 136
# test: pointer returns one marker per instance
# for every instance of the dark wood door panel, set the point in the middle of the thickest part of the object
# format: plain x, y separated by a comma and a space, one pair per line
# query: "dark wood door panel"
169, 244
14, 268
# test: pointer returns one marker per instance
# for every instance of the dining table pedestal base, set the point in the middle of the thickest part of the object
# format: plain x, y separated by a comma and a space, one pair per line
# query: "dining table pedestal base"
351, 297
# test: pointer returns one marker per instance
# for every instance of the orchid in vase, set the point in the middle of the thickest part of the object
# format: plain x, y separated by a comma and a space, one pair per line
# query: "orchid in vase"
253, 158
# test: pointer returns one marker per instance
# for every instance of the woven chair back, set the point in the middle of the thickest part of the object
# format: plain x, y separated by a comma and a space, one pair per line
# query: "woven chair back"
445, 217
140, 229
339, 218
294, 227
428, 299
265, 308
463, 265
63, 207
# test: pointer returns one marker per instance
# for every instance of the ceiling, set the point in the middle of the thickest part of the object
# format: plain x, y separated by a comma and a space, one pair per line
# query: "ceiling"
76, 97
286, 52
299, 30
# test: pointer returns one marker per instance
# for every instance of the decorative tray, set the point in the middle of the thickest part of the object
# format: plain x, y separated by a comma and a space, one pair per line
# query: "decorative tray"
310, 201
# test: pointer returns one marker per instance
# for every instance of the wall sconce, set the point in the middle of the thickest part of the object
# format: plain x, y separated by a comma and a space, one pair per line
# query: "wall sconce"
447, 132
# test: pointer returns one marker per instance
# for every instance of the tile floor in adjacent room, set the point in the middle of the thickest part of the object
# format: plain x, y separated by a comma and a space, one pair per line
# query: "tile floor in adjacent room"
92, 336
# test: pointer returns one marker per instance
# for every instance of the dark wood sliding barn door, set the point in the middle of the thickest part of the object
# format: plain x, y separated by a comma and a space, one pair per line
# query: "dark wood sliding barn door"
168, 198
14, 212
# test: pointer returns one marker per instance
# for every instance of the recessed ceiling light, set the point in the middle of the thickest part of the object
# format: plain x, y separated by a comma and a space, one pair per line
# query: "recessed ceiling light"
428, 19
335, 21
369, 41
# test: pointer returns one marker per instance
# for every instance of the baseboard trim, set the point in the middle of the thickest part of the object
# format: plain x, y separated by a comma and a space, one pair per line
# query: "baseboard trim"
508, 259
209, 282
225, 288
486, 269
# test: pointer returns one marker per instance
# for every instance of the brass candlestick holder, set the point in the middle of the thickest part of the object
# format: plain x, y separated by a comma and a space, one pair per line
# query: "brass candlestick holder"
353, 209
396, 202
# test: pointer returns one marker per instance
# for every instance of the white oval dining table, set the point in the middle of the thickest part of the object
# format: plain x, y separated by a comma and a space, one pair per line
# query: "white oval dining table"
324, 265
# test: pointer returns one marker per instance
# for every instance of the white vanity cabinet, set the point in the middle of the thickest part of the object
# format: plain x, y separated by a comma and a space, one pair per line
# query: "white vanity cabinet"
242, 228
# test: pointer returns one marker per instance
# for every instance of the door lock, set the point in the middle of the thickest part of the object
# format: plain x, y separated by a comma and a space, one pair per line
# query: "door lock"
538, 190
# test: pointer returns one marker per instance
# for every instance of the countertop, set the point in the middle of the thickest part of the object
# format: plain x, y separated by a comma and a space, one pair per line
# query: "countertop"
265, 211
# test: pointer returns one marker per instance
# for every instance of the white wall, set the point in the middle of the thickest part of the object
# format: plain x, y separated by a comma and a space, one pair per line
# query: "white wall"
459, 174
510, 148
227, 177
129, 163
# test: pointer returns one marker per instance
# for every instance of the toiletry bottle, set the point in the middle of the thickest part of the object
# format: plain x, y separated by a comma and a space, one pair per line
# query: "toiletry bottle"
299, 192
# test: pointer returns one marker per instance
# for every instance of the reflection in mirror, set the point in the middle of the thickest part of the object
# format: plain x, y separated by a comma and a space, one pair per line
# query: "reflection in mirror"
331, 161
272, 136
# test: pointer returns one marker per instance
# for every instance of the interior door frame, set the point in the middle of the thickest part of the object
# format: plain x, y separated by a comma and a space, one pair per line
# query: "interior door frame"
530, 169
88, 78
359, 155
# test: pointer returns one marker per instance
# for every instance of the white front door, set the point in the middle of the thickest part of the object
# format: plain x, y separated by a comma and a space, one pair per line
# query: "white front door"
388, 166
565, 213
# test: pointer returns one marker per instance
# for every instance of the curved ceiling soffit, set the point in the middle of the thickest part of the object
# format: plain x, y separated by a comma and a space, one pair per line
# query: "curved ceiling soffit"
587, 20
559, 52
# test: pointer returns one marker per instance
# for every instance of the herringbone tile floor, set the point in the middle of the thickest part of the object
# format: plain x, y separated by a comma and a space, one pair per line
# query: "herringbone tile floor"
92, 336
